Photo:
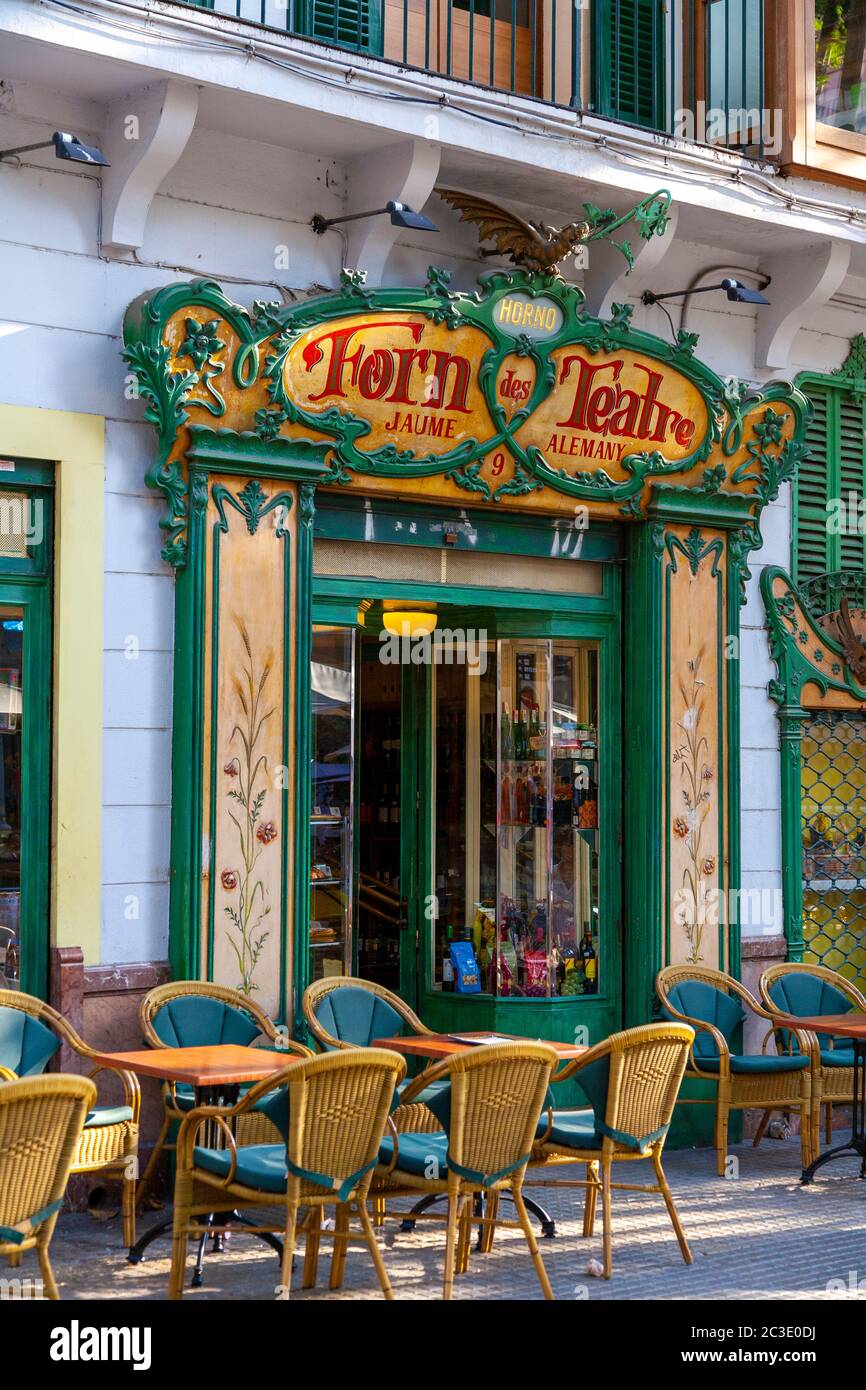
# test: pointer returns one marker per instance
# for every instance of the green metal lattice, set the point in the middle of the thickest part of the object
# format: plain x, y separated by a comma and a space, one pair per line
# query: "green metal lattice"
833, 822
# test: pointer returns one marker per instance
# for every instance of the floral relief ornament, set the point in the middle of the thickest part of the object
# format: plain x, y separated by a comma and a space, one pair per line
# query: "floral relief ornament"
695, 776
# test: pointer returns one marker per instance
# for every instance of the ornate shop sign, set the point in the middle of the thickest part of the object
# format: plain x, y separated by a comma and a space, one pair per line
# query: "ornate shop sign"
512, 395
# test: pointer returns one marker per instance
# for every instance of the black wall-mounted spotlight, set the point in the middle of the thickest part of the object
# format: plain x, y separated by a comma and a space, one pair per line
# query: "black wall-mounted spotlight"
400, 214
737, 293
66, 146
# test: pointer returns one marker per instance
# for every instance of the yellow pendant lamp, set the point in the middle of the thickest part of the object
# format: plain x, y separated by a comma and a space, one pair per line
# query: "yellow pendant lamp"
408, 622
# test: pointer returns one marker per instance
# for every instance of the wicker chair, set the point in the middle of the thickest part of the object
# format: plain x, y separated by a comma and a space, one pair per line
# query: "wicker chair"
332, 1111
196, 1013
490, 1112
712, 1003
803, 991
31, 1032
345, 1012
632, 1080
41, 1124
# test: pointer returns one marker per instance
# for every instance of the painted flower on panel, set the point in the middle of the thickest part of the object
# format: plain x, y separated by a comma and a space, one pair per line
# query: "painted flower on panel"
695, 774
248, 918
229, 880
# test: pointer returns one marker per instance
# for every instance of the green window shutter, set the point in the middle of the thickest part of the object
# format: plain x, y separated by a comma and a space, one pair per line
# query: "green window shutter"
810, 543
847, 549
628, 60
348, 23
835, 469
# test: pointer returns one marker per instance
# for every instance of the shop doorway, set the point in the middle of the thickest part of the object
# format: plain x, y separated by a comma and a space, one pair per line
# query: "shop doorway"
480, 811
25, 724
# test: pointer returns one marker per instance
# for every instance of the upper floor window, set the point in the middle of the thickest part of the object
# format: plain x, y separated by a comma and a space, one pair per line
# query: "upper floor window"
840, 64
831, 480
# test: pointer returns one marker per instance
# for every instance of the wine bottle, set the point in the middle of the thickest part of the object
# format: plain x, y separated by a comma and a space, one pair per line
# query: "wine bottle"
447, 963
589, 961
506, 735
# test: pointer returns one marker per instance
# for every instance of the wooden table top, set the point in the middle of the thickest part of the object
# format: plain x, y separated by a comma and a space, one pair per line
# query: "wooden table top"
439, 1045
223, 1064
851, 1025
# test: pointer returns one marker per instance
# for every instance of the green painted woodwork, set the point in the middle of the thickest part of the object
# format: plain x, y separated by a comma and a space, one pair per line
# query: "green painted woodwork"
800, 649
385, 521
628, 61
303, 629
355, 24
833, 468
274, 330
25, 583
298, 462
505, 614
790, 740
644, 890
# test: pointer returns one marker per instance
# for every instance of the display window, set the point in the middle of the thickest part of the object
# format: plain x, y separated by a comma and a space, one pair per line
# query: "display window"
517, 821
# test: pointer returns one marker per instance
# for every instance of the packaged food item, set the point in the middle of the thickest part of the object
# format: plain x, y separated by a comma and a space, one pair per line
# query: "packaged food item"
535, 972
467, 978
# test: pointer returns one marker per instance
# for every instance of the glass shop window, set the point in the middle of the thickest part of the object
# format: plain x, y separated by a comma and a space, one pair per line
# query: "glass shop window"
516, 828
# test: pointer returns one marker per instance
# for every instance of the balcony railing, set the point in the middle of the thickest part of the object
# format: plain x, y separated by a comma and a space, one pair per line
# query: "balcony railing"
692, 68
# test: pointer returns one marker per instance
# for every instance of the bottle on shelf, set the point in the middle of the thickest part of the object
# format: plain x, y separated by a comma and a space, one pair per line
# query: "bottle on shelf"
589, 962
447, 963
517, 737
506, 738
383, 813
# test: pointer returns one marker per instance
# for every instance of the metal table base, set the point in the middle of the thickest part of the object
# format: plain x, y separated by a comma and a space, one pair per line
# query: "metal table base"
857, 1143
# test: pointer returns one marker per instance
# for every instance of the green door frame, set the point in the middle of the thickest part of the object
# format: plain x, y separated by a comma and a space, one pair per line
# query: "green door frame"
33, 597
416, 822
516, 614
25, 583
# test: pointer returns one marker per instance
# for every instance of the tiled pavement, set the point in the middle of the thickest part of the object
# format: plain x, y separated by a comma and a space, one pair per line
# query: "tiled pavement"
760, 1236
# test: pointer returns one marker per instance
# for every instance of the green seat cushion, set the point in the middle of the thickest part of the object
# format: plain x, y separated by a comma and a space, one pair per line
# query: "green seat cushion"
195, 1020
107, 1115
423, 1155
260, 1166
572, 1129
837, 1056
357, 1016
758, 1064
701, 1001
26, 1045
808, 996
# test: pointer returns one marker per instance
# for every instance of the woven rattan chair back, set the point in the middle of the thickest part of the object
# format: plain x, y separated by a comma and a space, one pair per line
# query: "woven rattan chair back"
819, 972
672, 975
41, 1120
157, 999
646, 1071
38, 1009
338, 1106
497, 1093
319, 990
